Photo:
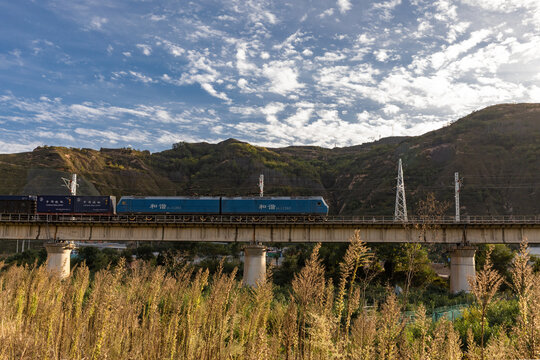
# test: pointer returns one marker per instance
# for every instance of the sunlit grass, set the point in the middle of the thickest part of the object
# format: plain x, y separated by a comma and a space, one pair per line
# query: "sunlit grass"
139, 311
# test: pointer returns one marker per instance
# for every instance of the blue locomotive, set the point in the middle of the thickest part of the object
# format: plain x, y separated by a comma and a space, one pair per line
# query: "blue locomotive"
274, 205
168, 205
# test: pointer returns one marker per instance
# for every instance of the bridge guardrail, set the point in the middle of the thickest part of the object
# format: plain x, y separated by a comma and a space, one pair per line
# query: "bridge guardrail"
271, 219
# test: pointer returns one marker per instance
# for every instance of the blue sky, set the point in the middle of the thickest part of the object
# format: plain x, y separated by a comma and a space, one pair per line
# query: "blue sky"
148, 73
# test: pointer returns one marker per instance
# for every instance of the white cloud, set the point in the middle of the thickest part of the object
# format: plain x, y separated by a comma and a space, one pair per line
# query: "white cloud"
217, 129
534, 93
457, 29
269, 111
289, 44
386, 8
391, 109
172, 48
524, 52
155, 17
365, 39
271, 17
244, 86
300, 118
167, 138
529, 10
381, 55
226, 18
114, 135
210, 89
344, 6
502, 5
141, 77
283, 77
12, 59
146, 49
55, 135
16, 147
203, 71
137, 76
244, 111
424, 27
204, 31
446, 11
346, 82
256, 12
242, 64
451, 53
85, 110
363, 116
96, 23
331, 57
328, 12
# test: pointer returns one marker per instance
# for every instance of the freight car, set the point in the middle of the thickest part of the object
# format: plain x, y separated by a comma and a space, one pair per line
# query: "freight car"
17, 204
70, 204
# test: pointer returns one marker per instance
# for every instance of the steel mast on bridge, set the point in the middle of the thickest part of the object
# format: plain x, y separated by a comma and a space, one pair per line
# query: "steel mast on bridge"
71, 184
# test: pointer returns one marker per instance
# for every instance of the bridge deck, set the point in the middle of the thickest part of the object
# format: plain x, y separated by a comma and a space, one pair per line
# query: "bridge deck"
473, 229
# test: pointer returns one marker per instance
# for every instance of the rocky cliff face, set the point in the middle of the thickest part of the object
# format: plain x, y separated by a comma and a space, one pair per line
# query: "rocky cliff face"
495, 150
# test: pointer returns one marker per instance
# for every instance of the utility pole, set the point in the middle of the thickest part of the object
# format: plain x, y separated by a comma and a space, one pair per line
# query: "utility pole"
400, 213
71, 184
457, 191
261, 185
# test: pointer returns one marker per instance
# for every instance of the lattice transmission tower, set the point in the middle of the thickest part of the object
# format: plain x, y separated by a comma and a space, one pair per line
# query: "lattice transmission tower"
400, 213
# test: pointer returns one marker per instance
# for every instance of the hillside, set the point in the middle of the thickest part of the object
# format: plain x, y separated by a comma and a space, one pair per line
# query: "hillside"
496, 151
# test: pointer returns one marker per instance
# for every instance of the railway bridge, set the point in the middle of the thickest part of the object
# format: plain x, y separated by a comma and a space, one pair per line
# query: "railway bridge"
58, 231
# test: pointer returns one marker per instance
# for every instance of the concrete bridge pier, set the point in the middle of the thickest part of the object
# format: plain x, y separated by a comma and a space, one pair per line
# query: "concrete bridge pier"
462, 267
58, 258
254, 264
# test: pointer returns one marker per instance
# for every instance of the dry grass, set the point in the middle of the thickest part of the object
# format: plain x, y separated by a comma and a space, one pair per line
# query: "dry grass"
142, 312
484, 287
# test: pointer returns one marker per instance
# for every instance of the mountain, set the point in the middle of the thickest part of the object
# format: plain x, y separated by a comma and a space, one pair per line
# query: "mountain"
495, 150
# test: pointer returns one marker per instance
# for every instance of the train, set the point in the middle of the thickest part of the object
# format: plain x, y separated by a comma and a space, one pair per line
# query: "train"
165, 205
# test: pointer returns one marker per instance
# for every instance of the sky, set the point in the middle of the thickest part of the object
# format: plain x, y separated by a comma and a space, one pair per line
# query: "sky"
147, 74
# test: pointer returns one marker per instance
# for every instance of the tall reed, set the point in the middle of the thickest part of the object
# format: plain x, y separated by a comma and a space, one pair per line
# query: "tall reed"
138, 311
